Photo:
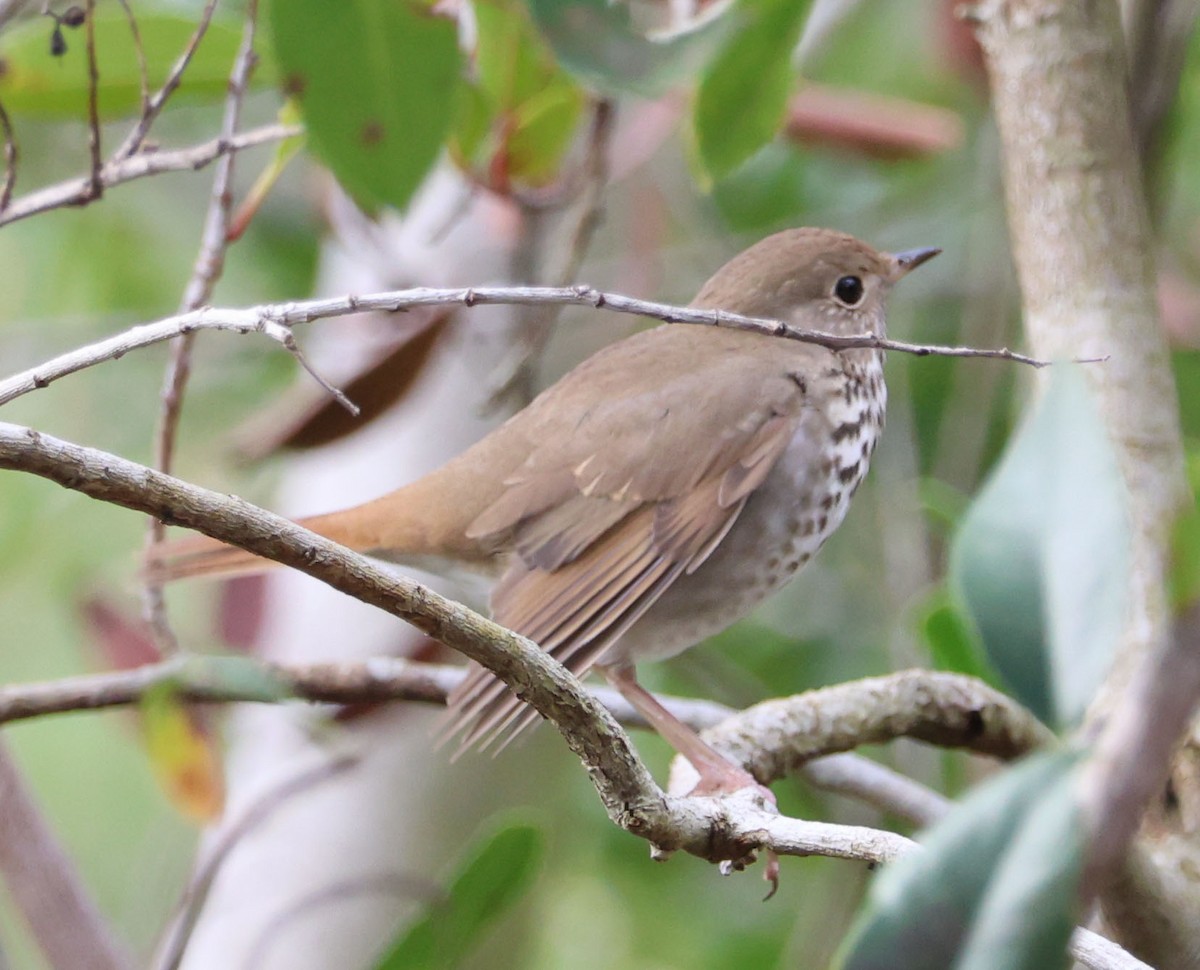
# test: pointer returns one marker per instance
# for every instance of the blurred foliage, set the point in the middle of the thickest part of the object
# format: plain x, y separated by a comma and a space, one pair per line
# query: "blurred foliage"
497, 873
372, 79
993, 888
36, 81
1041, 558
385, 89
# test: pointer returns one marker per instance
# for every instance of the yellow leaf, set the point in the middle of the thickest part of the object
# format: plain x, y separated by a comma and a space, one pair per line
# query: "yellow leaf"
182, 754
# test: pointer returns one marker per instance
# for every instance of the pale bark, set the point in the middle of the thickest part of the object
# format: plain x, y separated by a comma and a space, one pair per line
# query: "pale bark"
1084, 257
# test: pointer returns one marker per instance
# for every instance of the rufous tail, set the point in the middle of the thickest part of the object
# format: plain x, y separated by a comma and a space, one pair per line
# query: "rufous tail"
195, 556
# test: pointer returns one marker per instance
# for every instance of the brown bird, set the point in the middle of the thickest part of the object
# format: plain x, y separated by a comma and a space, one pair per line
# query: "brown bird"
658, 491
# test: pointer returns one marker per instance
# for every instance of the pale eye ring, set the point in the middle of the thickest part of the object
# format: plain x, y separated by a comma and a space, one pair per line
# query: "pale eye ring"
849, 291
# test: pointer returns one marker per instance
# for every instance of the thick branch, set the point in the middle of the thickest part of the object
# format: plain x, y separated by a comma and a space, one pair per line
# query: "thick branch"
1084, 256
208, 680
728, 830
951, 710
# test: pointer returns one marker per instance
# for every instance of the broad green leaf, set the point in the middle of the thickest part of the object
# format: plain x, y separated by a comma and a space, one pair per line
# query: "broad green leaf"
182, 754
512, 63
743, 95
1032, 904
497, 874
1041, 559
976, 872
375, 80
33, 82
597, 42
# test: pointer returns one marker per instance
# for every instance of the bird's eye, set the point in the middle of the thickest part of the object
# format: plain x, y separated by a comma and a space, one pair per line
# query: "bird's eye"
849, 290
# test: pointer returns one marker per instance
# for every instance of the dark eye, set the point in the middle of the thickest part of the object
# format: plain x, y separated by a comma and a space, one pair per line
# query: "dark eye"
849, 290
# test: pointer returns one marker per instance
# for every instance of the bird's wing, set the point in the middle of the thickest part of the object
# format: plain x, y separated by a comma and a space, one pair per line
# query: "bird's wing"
602, 532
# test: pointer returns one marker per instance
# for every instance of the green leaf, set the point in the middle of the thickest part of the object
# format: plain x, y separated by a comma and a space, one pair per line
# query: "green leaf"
596, 41
35, 83
743, 95
1185, 546
518, 120
1006, 859
1032, 903
542, 133
1041, 559
952, 642
375, 80
767, 192
499, 871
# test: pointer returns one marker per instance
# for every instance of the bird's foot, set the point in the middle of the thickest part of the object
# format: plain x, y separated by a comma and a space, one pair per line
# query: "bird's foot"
726, 779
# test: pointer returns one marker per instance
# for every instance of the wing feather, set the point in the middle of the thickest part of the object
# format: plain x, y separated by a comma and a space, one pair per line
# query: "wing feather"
601, 532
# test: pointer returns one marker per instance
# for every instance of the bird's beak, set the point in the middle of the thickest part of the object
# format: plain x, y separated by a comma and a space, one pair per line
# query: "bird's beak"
910, 259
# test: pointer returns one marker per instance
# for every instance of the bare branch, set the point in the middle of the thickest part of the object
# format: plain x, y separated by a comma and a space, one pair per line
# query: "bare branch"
1084, 255
95, 187
868, 781
773, 738
143, 73
175, 939
729, 829
515, 374
265, 317
210, 263
1131, 762
10, 160
75, 192
117, 347
138, 135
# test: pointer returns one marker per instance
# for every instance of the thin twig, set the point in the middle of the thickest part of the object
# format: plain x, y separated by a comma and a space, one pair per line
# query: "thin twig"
143, 73
137, 136
774, 738
516, 373
95, 183
273, 319
210, 263
175, 940
116, 347
10, 161
300, 912
74, 192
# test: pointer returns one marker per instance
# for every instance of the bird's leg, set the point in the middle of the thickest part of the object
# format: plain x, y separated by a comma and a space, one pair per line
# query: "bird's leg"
717, 773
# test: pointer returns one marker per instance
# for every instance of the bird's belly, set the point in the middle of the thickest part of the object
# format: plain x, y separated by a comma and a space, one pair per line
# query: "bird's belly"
784, 524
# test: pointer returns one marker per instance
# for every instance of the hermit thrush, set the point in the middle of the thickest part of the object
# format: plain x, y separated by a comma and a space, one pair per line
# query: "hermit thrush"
659, 490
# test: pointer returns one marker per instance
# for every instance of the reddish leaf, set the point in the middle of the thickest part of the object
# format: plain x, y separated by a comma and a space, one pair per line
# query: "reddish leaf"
124, 643
871, 124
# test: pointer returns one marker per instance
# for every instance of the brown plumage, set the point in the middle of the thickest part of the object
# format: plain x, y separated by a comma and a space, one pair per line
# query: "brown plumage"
659, 490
